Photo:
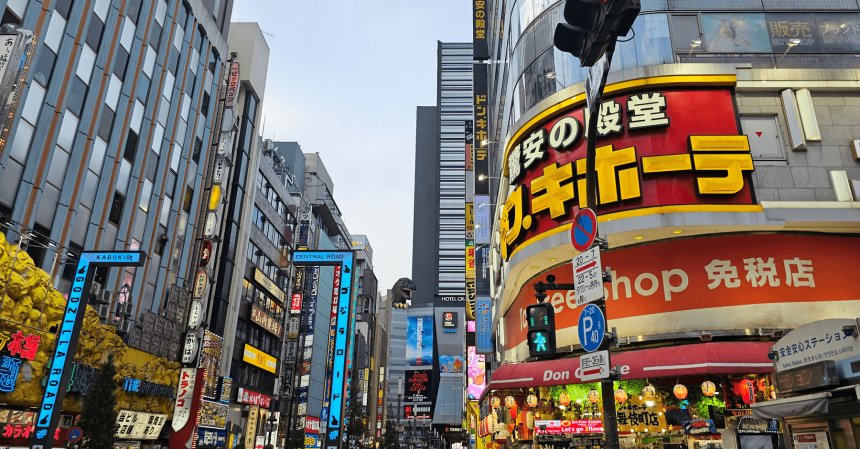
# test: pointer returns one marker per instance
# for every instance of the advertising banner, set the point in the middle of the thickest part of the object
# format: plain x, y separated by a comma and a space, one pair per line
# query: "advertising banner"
469, 139
418, 385
210, 361
558, 427
728, 281
312, 300
484, 325
483, 222
213, 414
259, 358
451, 365
477, 378
482, 270
419, 341
416, 411
296, 304
253, 398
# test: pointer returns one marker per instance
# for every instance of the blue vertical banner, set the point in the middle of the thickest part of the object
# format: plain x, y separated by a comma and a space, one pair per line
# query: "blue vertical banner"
419, 341
484, 325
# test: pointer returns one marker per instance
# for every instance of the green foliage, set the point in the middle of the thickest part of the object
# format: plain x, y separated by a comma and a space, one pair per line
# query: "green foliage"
99, 413
389, 436
357, 421
268, 446
632, 387
296, 439
704, 402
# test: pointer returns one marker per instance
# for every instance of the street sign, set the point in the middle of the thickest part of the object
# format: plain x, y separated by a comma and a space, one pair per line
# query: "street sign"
74, 434
594, 366
588, 276
592, 325
584, 229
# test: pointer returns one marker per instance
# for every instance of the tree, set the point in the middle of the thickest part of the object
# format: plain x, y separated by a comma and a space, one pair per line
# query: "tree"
98, 417
389, 436
357, 424
296, 439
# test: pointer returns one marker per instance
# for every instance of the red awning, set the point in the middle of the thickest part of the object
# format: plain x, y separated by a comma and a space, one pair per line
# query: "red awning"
686, 360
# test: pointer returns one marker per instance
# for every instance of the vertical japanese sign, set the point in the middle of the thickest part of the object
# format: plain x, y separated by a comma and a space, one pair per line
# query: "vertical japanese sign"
68, 333
482, 128
477, 374
470, 140
484, 325
331, 342
16, 54
480, 50
184, 396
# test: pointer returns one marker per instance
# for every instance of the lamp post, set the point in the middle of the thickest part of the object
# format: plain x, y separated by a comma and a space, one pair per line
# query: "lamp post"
270, 428
552, 76
791, 44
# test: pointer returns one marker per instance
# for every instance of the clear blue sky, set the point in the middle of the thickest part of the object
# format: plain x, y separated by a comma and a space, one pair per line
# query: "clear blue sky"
345, 77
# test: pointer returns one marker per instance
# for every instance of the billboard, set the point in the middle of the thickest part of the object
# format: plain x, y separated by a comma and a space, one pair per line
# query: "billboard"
477, 379
484, 325
419, 384
419, 341
259, 358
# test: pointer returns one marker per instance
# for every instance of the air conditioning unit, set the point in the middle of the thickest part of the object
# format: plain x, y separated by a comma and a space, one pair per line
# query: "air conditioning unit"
95, 289
124, 309
124, 326
104, 311
104, 297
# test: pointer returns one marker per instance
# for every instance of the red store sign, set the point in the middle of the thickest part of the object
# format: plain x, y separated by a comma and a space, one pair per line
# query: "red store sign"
556, 427
312, 425
296, 304
253, 398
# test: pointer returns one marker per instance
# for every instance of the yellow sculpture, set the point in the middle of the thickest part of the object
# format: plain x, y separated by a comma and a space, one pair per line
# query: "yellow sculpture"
32, 306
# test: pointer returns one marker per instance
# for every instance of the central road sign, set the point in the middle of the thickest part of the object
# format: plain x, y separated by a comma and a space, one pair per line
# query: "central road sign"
592, 326
584, 229
588, 276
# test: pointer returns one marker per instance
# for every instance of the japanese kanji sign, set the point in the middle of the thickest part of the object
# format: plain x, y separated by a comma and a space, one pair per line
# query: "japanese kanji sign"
817, 341
184, 398
653, 149
778, 281
480, 20
636, 415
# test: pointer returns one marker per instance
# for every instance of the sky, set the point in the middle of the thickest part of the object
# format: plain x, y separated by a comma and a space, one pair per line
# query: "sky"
345, 78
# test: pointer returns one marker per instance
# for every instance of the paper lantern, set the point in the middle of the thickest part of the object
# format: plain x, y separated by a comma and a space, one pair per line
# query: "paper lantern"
747, 391
708, 388
563, 399
594, 396
530, 420
214, 197
532, 400
510, 402
514, 412
620, 395
680, 391
495, 402
649, 392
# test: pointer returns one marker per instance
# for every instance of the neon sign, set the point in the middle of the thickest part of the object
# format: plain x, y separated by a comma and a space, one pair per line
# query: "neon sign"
67, 337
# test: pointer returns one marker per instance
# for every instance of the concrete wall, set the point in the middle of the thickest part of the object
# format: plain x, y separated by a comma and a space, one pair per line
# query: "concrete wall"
805, 175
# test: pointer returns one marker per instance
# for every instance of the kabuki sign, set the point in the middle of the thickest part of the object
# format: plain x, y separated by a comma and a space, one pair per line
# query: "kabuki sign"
658, 148
67, 338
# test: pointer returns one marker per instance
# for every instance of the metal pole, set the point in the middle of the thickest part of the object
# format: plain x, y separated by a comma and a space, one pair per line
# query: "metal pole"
610, 419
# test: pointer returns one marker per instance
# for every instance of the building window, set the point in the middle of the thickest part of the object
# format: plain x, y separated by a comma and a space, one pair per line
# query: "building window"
130, 146
116, 208
242, 329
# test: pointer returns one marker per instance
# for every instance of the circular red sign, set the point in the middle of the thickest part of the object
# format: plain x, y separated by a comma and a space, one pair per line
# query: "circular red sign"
583, 230
74, 434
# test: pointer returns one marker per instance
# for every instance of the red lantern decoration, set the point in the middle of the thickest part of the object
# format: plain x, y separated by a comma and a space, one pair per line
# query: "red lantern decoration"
746, 390
564, 399
708, 388
620, 395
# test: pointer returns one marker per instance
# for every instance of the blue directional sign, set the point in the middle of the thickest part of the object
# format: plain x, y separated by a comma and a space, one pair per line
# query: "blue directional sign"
67, 338
592, 326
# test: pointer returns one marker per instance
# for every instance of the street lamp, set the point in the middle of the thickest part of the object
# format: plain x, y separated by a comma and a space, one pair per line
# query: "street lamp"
791, 44
482, 205
552, 76
483, 177
270, 428
694, 44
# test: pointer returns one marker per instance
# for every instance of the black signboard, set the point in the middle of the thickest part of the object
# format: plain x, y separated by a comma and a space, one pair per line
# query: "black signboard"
480, 20
419, 385
817, 375
819, 32
702, 426
449, 319
482, 128
416, 411
482, 270
750, 425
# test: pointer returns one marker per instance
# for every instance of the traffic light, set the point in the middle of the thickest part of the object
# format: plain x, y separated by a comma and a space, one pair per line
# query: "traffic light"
592, 26
541, 331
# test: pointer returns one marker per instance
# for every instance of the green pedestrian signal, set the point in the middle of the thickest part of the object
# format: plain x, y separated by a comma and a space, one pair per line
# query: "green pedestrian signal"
541, 330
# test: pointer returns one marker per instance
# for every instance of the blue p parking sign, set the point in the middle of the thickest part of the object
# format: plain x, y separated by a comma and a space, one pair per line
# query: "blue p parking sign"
592, 325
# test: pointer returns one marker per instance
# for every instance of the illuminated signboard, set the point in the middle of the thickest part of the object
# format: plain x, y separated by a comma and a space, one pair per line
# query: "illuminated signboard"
67, 336
653, 149
270, 286
184, 397
296, 304
259, 358
343, 259
265, 321
555, 427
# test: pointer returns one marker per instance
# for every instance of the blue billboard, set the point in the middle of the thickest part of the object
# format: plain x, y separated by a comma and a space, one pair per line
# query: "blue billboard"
419, 341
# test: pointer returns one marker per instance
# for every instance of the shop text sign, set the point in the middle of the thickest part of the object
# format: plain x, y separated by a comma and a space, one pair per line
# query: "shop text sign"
704, 281
814, 342
653, 149
253, 398
556, 427
265, 321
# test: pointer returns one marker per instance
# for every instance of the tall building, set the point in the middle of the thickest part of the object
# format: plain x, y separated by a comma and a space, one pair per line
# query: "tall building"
439, 230
716, 264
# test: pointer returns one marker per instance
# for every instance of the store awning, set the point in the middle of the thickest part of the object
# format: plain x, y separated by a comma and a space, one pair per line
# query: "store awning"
686, 360
808, 404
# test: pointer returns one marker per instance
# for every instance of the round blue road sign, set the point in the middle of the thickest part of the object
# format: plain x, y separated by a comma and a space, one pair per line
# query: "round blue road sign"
584, 229
74, 434
592, 326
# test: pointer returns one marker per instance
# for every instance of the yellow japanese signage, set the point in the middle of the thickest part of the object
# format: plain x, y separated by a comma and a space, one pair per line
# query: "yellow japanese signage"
259, 359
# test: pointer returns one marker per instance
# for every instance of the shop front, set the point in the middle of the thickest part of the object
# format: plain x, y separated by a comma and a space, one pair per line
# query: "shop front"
818, 385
